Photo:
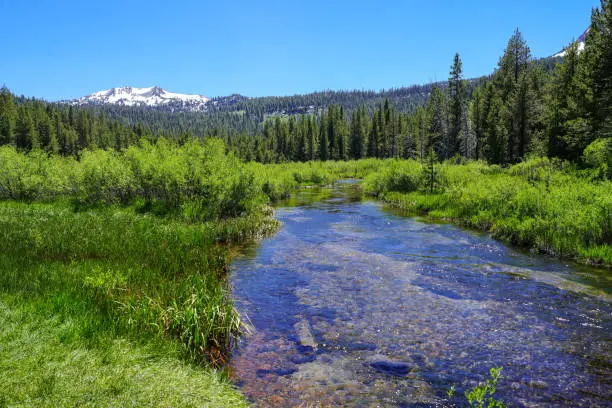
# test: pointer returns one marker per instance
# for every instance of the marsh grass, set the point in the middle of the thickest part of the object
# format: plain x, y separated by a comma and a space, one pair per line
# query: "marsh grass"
148, 274
93, 278
44, 363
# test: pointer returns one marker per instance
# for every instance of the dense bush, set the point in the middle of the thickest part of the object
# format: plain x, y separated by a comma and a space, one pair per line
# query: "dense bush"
105, 177
598, 155
34, 176
198, 179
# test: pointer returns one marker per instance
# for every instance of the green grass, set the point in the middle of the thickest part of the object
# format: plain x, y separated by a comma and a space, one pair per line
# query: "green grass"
45, 362
115, 307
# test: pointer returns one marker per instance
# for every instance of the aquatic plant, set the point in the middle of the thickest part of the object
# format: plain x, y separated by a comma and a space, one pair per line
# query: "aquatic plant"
483, 394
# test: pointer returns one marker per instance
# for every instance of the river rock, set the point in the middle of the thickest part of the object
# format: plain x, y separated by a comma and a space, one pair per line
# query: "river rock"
389, 366
538, 384
304, 334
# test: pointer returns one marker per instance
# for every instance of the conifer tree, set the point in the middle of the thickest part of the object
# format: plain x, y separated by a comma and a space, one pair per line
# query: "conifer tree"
373, 137
420, 131
8, 115
313, 140
409, 140
359, 134
436, 121
323, 137
497, 130
457, 89
598, 53
568, 129
26, 137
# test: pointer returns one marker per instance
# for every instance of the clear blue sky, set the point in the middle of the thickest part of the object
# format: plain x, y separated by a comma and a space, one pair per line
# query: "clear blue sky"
66, 49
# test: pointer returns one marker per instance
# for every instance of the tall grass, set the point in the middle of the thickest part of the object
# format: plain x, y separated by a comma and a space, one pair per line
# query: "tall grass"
148, 274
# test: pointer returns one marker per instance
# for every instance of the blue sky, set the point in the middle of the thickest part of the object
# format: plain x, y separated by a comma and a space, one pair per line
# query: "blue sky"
66, 49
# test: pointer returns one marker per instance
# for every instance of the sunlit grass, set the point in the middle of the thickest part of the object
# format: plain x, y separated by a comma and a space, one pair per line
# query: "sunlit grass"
47, 361
148, 295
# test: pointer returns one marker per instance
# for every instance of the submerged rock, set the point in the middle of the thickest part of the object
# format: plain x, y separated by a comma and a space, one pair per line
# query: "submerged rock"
304, 334
389, 366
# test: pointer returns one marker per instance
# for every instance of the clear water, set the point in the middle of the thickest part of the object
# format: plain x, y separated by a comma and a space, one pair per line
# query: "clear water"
354, 305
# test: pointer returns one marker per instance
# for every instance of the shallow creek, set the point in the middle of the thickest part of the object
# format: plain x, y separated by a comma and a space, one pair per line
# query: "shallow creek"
352, 304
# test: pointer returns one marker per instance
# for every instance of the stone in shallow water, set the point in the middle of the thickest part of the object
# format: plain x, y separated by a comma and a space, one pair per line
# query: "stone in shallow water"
304, 334
306, 357
392, 367
389, 366
280, 372
538, 384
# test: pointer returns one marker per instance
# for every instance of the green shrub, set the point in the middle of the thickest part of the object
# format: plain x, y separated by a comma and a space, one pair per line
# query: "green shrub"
598, 155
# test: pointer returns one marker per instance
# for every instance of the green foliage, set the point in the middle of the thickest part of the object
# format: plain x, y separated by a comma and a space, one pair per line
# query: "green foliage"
598, 155
483, 395
46, 362
148, 274
430, 172
105, 178
34, 176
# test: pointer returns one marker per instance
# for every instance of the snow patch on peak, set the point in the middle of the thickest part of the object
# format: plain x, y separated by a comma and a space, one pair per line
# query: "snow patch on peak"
580, 44
152, 96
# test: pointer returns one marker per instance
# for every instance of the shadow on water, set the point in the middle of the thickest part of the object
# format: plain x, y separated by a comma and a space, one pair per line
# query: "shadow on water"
353, 305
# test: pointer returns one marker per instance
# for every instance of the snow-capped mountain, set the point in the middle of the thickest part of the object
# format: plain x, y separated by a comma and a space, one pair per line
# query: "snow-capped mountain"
581, 41
153, 97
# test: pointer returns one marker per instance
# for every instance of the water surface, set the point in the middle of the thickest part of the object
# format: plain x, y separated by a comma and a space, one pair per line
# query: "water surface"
355, 305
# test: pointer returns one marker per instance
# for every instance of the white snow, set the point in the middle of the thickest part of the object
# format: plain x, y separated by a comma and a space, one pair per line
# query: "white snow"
579, 48
152, 96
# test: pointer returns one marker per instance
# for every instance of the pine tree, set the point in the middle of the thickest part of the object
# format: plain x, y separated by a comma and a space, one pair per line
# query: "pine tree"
359, 134
420, 131
313, 140
512, 64
599, 51
291, 145
373, 137
568, 130
457, 89
26, 137
409, 140
8, 115
497, 131
436, 121
386, 130
342, 134
301, 144
323, 138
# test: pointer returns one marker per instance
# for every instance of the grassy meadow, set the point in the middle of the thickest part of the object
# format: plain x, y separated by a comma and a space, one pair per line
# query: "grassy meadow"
113, 290
113, 287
